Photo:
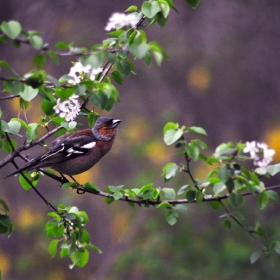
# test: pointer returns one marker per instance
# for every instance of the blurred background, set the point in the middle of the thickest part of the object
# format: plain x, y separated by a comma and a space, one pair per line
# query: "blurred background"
223, 75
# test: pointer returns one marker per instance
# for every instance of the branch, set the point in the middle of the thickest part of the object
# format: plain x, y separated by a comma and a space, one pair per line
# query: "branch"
250, 233
16, 152
157, 202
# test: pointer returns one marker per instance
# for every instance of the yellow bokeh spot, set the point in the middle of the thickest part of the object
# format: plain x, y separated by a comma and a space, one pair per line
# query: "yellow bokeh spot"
88, 175
120, 225
5, 263
199, 77
136, 130
272, 139
157, 152
56, 275
28, 217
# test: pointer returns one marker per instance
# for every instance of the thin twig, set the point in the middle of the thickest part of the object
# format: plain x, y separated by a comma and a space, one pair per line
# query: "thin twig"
24, 147
236, 220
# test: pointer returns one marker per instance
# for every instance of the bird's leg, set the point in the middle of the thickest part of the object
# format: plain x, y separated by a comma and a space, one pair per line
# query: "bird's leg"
79, 191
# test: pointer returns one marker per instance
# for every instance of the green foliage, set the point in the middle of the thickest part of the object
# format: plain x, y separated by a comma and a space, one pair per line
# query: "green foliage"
67, 227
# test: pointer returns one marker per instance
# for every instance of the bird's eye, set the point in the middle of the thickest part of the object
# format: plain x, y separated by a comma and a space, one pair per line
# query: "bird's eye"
106, 124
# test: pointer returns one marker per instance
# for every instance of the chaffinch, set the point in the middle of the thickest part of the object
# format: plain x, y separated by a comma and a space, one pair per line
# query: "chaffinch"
78, 151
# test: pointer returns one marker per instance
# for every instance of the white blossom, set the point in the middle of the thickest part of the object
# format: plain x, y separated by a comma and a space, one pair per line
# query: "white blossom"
68, 109
251, 148
119, 20
79, 71
260, 153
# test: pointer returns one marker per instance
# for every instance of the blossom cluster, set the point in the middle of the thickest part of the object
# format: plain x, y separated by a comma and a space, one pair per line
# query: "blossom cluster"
260, 153
119, 20
68, 109
79, 71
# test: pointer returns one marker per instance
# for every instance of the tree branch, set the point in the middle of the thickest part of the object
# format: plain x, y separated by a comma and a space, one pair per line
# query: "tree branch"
157, 202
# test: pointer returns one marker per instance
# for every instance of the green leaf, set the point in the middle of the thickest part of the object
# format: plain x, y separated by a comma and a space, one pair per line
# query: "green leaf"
172, 217
14, 127
183, 189
164, 8
164, 204
145, 188
28, 93
149, 194
80, 258
235, 199
4, 204
123, 67
47, 107
219, 187
13, 87
84, 218
117, 77
12, 29
273, 195
172, 135
193, 3
36, 42
5, 220
69, 184
262, 200
158, 52
39, 61
192, 150
69, 126
32, 132
161, 19
7, 145
105, 96
227, 225
273, 169
148, 58
132, 9
216, 205
53, 56
114, 189
64, 93
53, 247
23, 182
4, 126
190, 195
150, 9
3, 229
237, 216
199, 197
255, 256
5, 65
91, 186
168, 193
197, 129
170, 170
94, 60
62, 46
171, 5
224, 173
117, 195
139, 50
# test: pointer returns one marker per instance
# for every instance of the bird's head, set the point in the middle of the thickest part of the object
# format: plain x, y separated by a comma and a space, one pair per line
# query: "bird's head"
105, 128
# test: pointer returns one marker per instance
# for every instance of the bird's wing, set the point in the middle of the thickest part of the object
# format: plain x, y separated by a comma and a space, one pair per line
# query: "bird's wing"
65, 148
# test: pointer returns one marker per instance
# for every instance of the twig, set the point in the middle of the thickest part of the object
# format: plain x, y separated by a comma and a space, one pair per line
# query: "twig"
157, 202
231, 216
9, 97
15, 153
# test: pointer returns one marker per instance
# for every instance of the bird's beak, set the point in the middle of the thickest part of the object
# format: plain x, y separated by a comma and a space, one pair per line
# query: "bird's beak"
115, 123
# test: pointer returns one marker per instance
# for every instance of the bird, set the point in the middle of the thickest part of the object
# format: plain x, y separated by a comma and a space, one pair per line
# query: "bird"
76, 152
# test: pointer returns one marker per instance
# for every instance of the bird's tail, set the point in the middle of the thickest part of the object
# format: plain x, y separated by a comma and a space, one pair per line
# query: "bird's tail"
29, 166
